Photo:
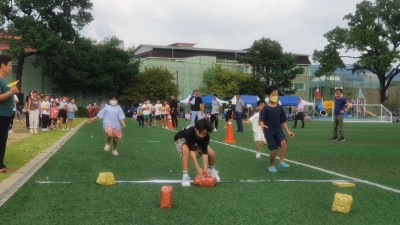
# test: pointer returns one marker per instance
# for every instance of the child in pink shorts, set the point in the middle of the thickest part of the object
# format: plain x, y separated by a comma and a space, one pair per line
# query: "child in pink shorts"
113, 117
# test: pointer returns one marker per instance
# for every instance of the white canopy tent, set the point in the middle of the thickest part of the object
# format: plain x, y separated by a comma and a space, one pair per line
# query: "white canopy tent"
206, 99
305, 103
186, 100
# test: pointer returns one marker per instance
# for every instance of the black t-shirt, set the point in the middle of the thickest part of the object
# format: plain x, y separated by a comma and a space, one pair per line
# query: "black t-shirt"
192, 140
196, 106
173, 104
273, 117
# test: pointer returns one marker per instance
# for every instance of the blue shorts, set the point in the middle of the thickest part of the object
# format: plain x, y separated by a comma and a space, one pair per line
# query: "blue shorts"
71, 115
274, 139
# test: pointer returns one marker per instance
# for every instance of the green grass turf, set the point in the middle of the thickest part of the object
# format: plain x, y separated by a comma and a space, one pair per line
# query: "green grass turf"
22, 151
370, 153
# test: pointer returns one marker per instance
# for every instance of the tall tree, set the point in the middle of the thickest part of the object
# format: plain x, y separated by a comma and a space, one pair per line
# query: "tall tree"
154, 83
87, 65
41, 25
271, 64
225, 83
372, 40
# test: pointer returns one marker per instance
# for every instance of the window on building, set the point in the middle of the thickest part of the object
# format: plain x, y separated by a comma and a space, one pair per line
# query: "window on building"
299, 86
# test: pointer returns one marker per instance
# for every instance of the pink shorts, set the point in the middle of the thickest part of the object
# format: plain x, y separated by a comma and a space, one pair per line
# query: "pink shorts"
113, 132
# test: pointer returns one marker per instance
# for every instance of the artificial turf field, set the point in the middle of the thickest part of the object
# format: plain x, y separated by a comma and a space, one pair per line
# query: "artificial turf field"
371, 153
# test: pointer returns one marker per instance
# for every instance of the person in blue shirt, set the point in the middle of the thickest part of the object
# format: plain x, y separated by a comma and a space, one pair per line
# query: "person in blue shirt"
113, 116
272, 119
340, 107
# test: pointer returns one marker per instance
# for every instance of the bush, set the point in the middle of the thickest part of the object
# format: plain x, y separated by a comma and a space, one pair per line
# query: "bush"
81, 113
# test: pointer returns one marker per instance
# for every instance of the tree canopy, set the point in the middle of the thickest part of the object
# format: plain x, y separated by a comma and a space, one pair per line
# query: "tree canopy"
272, 65
371, 40
153, 83
41, 25
225, 83
87, 65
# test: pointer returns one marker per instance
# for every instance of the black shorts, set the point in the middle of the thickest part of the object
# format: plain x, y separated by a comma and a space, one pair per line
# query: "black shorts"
158, 117
228, 116
62, 114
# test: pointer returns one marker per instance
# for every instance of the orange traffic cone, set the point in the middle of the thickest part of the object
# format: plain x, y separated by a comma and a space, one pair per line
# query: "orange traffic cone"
229, 133
170, 126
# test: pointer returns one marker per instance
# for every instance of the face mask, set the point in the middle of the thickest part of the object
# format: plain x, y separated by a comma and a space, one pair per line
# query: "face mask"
274, 99
113, 102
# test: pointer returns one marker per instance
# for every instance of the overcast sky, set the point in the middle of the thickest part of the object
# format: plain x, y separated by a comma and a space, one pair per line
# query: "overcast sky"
298, 25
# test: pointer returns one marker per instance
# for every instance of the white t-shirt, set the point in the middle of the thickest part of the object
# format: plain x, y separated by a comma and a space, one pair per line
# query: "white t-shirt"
157, 109
255, 123
15, 103
300, 107
215, 105
146, 109
45, 106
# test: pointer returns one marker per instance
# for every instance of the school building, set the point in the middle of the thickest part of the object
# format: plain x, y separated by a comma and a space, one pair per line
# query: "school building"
188, 63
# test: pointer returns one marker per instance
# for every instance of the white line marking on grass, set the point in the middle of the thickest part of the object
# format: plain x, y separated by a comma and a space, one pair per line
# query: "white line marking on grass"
53, 182
179, 181
320, 169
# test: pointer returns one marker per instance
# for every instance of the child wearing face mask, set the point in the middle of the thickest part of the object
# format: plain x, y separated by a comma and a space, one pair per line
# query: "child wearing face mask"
113, 117
272, 120
72, 108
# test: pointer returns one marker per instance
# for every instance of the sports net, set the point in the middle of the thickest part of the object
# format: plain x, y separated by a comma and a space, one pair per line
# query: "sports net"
368, 113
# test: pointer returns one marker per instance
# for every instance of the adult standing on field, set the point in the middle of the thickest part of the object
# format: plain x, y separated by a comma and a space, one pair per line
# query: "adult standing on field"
340, 106
299, 113
6, 107
196, 105
173, 103
240, 106
216, 106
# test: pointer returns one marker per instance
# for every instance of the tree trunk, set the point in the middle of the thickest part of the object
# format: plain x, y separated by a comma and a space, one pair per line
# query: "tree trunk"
20, 67
382, 91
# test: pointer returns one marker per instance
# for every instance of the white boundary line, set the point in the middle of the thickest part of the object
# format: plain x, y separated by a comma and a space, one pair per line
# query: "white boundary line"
320, 169
179, 181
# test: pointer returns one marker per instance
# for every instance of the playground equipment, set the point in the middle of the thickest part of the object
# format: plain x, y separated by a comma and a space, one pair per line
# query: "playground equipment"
318, 102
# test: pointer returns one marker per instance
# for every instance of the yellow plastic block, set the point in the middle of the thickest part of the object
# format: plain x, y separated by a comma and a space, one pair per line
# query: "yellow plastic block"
342, 203
106, 178
343, 184
12, 84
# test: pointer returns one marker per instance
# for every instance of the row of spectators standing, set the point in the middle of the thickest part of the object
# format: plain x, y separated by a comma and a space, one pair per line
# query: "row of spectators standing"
44, 112
149, 115
92, 111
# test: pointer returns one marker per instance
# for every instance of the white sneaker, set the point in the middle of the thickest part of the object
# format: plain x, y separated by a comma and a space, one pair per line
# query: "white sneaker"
215, 129
107, 148
185, 181
10, 131
214, 173
34, 130
258, 155
31, 131
115, 152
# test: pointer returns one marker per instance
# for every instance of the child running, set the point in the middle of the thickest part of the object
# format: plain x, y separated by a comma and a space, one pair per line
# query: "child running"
272, 119
259, 137
113, 117
194, 140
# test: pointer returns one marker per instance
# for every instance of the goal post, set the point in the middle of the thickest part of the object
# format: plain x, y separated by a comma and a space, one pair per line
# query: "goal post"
368, 113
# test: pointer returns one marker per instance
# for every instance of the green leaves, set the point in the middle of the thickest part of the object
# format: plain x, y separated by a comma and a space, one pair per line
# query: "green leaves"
154, 83
372, 38
271, 64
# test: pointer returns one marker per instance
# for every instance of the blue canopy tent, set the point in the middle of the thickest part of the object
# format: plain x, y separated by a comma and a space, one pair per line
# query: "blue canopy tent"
247, 99
207, 99
288, 100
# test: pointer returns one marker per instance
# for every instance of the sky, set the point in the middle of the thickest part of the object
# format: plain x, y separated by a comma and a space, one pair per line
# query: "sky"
298, 25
